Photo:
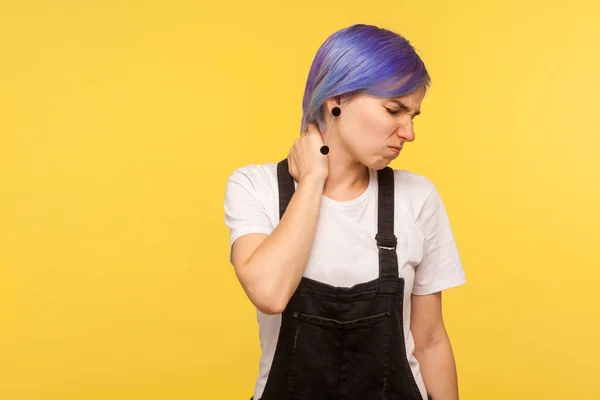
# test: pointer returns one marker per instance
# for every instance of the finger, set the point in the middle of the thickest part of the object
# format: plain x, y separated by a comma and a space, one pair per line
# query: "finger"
292, 167
312, 128
314, 135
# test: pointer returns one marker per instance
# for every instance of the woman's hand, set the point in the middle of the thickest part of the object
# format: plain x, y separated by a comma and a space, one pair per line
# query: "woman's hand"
305, 159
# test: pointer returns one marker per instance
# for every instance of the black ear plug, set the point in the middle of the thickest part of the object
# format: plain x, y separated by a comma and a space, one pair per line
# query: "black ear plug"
335, 111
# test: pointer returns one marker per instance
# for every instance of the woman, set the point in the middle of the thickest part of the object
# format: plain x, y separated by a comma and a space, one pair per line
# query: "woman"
343, 257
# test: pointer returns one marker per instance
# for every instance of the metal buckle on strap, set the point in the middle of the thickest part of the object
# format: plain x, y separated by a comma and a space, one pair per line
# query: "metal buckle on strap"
386, 242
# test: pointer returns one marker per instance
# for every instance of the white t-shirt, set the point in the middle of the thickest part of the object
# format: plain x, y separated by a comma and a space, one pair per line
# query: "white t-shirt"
344, 250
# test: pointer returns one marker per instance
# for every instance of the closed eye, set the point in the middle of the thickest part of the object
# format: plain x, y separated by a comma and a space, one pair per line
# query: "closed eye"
393, 112
405, 108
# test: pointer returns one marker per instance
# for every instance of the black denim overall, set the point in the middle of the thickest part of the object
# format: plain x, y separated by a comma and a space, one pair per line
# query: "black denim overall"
339, 343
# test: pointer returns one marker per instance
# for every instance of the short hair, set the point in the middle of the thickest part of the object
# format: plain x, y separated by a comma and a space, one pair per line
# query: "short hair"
361, 59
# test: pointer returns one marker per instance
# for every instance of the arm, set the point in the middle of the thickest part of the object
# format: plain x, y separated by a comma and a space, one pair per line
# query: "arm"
440, 269
432, 347
269, 268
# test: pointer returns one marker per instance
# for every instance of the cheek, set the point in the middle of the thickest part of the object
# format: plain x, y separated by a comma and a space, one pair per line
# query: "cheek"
357, 134
351, 126
379, 122
366, 127
377, 130
366, 123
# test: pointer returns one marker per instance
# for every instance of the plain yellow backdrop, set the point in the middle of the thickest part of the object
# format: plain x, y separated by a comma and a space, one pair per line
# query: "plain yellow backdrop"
120, 123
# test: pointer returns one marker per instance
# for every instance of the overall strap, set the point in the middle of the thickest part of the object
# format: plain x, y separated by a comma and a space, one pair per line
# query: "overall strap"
386, 239
286, 186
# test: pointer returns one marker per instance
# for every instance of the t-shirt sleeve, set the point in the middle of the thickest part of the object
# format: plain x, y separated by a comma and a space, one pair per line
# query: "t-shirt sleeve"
441, 267
245, 212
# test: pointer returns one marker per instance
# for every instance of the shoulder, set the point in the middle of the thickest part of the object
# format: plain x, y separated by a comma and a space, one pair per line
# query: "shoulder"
253, 185
417, 193
256, 176
250, 204
413, 186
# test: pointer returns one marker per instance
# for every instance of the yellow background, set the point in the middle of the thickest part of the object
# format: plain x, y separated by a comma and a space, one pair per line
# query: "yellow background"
120, 123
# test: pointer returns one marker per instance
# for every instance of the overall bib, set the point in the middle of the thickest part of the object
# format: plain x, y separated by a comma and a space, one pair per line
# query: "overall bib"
339, 343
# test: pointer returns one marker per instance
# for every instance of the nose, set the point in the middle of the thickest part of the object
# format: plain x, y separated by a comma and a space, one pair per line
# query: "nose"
406, 132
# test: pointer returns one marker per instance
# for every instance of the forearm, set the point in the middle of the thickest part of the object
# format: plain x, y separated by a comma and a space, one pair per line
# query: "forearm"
438, 369
274, 270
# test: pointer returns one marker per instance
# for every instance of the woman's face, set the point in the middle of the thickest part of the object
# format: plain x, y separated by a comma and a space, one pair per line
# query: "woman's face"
373, 130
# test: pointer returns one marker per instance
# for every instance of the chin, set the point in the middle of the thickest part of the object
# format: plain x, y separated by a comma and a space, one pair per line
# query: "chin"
377, 164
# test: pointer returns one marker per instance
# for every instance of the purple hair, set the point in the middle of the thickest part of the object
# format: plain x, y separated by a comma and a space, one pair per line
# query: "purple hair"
361, 59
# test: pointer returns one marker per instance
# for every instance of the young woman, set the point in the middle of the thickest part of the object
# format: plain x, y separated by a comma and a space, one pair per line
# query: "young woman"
345, 258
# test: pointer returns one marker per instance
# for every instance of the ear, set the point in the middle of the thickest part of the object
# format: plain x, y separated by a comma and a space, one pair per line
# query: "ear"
332, 102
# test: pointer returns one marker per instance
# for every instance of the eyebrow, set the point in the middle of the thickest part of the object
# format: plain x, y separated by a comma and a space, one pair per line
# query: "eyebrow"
405, 107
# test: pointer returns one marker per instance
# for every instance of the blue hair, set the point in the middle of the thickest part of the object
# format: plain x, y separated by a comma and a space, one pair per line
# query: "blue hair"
361, 59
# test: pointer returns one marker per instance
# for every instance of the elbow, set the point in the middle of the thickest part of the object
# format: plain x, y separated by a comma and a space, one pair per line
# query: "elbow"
270, 303
270, 296
270, 309
430, 342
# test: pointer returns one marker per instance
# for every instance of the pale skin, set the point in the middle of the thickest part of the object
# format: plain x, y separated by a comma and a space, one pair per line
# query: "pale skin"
369, 133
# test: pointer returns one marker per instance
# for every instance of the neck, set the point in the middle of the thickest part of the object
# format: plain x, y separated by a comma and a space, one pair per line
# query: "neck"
347, 178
